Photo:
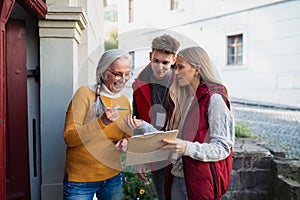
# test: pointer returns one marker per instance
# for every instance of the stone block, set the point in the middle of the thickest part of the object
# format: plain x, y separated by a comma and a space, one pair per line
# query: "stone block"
247, 162
247, 179
255, 179
288, 168
276, 151
286, 189
263, 163
247, 195
237, 163
263, 179
235, 181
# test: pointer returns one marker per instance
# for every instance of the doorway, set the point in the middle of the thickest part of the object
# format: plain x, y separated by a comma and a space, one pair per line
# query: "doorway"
23, 130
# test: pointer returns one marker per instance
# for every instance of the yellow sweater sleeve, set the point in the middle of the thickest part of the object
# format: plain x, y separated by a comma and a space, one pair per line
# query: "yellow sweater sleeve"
78, 129
91, 153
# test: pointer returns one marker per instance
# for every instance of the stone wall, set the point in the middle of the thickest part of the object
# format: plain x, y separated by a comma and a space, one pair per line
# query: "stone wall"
260, 172
287, 185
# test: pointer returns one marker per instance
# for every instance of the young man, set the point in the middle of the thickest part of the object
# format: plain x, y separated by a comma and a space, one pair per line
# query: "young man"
151, 97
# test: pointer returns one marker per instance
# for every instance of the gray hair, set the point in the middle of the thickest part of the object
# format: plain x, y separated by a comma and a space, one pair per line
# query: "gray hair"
107, 58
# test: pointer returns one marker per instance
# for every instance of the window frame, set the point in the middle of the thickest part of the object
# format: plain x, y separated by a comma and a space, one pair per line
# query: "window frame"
130, 11
132, 60
236, 52
175, 5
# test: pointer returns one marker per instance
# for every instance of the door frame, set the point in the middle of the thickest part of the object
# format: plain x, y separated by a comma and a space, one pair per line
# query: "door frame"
6, 8
17, 181
38, 9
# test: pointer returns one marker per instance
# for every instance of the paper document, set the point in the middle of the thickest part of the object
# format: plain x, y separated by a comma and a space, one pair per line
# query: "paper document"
146, 148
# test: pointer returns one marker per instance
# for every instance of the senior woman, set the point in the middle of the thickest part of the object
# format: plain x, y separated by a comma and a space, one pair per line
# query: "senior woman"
95, 132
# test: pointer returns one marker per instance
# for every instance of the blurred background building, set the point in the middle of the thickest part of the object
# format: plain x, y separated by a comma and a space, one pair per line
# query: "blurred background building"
254, 44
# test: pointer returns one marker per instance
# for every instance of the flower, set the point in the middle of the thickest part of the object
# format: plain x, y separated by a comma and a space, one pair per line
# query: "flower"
142, 191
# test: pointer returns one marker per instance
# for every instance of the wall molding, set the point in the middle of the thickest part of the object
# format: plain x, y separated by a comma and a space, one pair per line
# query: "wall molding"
36, 7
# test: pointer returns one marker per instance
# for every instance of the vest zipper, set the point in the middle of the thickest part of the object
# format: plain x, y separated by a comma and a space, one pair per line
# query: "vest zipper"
186, 186
213, 173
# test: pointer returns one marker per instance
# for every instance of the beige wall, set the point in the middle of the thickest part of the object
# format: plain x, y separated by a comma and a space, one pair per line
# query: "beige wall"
71, 32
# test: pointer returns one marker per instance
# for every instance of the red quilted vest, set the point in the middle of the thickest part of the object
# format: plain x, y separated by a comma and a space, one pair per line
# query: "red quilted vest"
141, 91
142, 94
204, 180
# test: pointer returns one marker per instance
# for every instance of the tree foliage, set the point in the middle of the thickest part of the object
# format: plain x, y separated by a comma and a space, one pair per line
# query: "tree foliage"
111, 42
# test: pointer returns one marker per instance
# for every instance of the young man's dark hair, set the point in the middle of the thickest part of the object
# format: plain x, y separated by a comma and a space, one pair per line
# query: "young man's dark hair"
166, 44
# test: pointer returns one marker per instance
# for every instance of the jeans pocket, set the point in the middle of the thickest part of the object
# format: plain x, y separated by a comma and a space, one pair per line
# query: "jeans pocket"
78, 190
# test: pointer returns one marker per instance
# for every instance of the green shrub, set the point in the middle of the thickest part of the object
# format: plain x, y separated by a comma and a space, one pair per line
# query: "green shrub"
294, 177
243, 130
136, 189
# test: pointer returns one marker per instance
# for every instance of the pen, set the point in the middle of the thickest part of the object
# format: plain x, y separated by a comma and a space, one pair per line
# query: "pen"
122, 109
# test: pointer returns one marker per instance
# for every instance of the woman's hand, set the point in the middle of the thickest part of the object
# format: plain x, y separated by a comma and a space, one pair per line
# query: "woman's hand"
110, 115
141, 172
132, 122
177, 145
122, 144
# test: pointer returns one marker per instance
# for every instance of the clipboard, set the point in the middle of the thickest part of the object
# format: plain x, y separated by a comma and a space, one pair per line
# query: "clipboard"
146, 148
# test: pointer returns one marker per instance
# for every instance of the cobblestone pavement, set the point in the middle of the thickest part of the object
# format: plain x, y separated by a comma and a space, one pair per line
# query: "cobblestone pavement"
278, 127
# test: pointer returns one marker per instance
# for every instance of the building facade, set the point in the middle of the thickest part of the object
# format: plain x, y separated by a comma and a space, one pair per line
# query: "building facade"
255, 45
48, 49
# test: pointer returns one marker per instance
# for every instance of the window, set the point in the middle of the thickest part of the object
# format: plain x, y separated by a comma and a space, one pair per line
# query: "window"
131, 10
104, 3
132, 58
175, 4
235, 49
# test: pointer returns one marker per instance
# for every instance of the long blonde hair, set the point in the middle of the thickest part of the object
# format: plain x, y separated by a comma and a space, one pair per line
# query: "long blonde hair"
180, 95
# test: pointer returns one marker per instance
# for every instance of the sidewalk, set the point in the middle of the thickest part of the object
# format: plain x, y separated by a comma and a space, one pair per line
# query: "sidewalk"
278, 125
263, 104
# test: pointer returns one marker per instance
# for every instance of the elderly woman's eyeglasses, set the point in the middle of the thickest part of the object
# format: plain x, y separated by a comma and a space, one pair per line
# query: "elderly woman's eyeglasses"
119, 75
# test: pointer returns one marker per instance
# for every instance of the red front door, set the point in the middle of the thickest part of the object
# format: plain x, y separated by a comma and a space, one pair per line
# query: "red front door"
17, 158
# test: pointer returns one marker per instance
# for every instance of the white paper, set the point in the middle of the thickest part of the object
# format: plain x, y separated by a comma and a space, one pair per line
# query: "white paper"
146, 148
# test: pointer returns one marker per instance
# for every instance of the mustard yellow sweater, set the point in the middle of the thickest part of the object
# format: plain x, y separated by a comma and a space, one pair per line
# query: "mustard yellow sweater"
91, 154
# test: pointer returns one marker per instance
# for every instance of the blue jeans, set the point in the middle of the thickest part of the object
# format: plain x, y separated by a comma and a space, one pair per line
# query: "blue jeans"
110, 189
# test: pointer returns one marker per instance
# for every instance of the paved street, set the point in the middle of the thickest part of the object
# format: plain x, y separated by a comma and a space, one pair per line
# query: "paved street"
277, 126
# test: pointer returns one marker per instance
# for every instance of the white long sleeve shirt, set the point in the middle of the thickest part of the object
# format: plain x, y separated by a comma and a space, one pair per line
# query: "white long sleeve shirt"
218, 141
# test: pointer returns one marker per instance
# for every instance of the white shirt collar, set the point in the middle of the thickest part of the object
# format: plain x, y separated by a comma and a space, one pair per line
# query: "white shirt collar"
106, 92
